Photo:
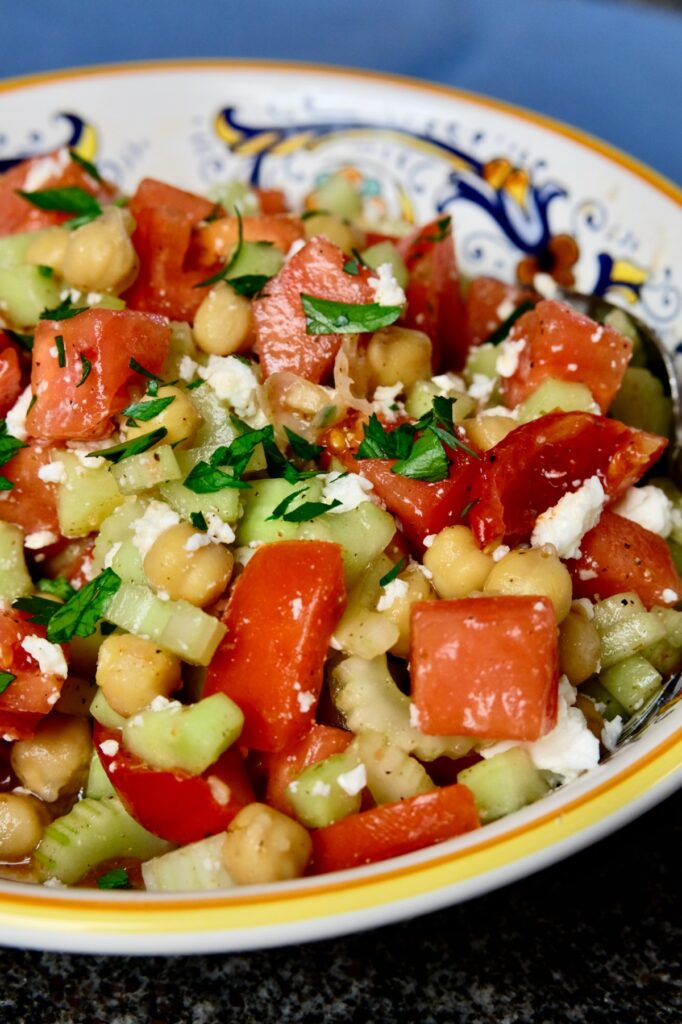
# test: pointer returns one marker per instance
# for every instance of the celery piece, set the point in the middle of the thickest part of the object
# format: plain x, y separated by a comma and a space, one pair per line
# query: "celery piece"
671, 622
633, 682
98, 786
607, 705
504, 783
337, 195
363, 533
256, 259
102, 712
25, 293
115, 529
663, 656
481, 359
420, 400
392, 774
625, 627
147, 470
189, 738
197, 867
13, 248
86, 497
92, 831
321, 794
235, 196
642, 403
14, 578
556, 395
386, 252
262, 499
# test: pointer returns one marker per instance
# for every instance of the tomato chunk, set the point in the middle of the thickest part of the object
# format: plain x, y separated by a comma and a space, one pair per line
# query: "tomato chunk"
488, 304
179, 807
319, 742
272, 200
485, 666
67, 409
434, 299
33, 693
536, 464
10, 374
295, 590
563, 343
32, 503
394, 829
281, 338
619, 555
215, 240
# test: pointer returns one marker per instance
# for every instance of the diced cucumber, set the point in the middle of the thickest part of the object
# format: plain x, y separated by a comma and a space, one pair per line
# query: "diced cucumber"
98, 786
633, 682
365, 693
225, 503
262, 499
142, 472
338, 195
392, 774
14, 577
13, 248
607, 705
216, 429
235, 196
621, 322
189, 739
103, 713
25, 292
385, 252
556, 395
194, 868
181, 344
663, 656
420, 400
625, 627
257, 258
481, 359
641, 402
115, 529
672, 623
86, 497
504, 783
177, 626
93, 831
318, 795
363, 533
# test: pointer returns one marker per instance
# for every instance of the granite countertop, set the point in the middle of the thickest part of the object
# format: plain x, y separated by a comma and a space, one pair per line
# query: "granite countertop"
596, 939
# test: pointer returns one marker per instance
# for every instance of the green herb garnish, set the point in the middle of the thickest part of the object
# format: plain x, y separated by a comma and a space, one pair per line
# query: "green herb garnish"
137, 445
41, 609
117, 878
81, 613
221, 275
304, 512
379, 443
142, 370
60, 587
147, 410
352, 267
501, 333
70, 199
9, 446
392, 573
442, 228
249, 285
326, 317
88, 167
198, 522
24, 340
64, 311
467, 508
205, 478
301, 448
427, 459
87, 367
45, 271
61, 354
5, 679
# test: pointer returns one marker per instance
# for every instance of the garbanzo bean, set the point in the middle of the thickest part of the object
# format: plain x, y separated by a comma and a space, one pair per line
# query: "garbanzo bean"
180, 418
54, 761
457, 564
132, 672
416, 588
185, 571
263, 845
334, 228
47, 249
487, 431
398, 354
22, 820
99, 256
224, 321
533, 571
579, 647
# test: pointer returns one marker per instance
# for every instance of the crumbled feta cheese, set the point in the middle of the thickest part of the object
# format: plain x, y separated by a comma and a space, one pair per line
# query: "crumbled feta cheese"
587, 574
297, 608
426, 573
15, 419
429, 539
243, 555
481, 387
387, 291
161, 703
335, 645
394, 591
670, 596
219, 531
500, 552
351, 489
384, 400
306, 700
295, 247
109, 747
40, 539
156, 519
83, 449
111, 554
42, 171
320, 788
610, 733
597, 335
415, 721
234, 381
566, 523
500, 410
586, 605
648, 506
52, 473
187, 369
220, 791
505, 310
545, 285
196, 541
353, 781
448, 382
50, 657
508, 359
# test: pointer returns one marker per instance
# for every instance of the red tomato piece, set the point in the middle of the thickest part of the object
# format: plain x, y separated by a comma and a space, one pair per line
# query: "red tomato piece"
32, 503
319, 742
619, 555
165, 219
57, 170
176, 806
294, 590
66, 409
536, 464
272, 200
434, 299
486, 299
33, 693
563, 343
485, 667
281, 338
10, 374
214, 241
394, 829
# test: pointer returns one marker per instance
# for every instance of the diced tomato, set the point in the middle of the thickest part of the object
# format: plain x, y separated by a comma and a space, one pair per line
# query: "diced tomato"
214, 241
536, 464
165, 219
563, 343
281, 338
485, 666
487, 301
67, 409
10, 374
319, 742
60, 171
32, 503
179, 807
295, 591
434, 299
272, 200
33, 693
394, 829
619, 555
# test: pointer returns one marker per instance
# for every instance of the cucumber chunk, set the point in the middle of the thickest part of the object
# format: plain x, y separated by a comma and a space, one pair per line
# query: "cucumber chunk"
625, 627
261, 501
98, 786
553, 395
338, 195
385, 252
102, 712
633, 682
257, 259
420, 400
86, 497
324, 792
642, 403
504, 783
194, 868
142, 472
363, 533
14, 578
607, 705
25, 292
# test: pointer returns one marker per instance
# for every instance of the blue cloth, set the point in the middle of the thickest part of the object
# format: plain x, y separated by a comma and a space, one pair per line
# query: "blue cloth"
612, 70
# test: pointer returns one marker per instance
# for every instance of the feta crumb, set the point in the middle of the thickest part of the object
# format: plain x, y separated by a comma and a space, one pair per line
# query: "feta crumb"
587, 574
50, 657
335, 645
306, 700
500, 410
597, 335
161, 703
220, 791
297, 608
156, 519
670, 596
351, 489
566, 523
545, 285
426, 573
500, 552
42, 171
481, 387
387, 291
196, 541
384, 400
243, 555
111, 554
320, 788
40, 539
428, 540
52, 472
295, 247
353, 781
448, 382
415, 721
234, 381
83, 449
15, 419
109, 747
187, 368
508, 359
505, 310
219, 531
649, 507
586, 605
394, 591
610, 733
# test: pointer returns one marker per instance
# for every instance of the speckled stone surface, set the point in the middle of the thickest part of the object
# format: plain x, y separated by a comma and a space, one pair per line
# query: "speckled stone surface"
596, 939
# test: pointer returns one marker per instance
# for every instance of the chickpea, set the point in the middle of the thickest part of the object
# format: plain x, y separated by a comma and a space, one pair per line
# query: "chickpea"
418, 588
132, 672
579, 648
533, 571
22, 820
335, 229
180, 418
398, 354
99, 256
54, 761
224, 321
487, 431
456, 562
263, 845
195, 574
47, 249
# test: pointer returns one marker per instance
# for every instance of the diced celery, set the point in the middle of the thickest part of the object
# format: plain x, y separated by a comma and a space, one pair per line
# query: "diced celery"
257, 258
147, 470
115, 529
625, 627
363, 631
386, 252
392, 774
181, 344
672, 623
633, 682
421, 395
98, 786
363, 533
235, 196
481, 359
663, 656
642, 403
318, 794
14, 578
262, 499
102, 712
337, 195
504, 783
13, 248
607, 705
552, 395
25, 292
194, 868
86, 497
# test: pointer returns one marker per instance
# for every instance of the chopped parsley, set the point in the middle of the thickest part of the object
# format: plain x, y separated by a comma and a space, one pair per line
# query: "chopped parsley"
208, 477
88, 167
82, 612
198, 521
137, 445
70, 199
501, 333
222, 274
467, 508
87, 367
5, 679
351, 267
64, 311
427, 459
24, 340
117, 878
304, 512
9, 446
326, 317
145, 411
301, 448
61, 354
142, 370
442, 229
249, 285
41, 609
60, 587
392, 573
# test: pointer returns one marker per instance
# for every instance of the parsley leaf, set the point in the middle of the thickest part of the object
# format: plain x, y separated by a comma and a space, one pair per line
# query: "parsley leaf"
221, 275
60, 587
248, 285
392, 573
147, 410
426, 461
64, 311
442, 228
301, 448
61, 354
45, 271
279, 510
117, 878
70, 199
137, 445
207, 479
87, 367
304, 512
326, 317
41, 609
9, 446
379, 443
500, 333
5, 679
351, 267
88, 167
81, 613
467, 508
198, 521
138, 368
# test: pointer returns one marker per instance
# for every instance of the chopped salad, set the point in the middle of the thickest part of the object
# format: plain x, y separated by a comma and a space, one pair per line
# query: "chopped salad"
312, 552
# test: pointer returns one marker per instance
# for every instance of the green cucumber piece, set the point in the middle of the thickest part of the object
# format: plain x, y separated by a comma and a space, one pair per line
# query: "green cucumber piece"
102, 712
25, 292
363, 533
633, 682
317, 794
150, 469
481, 359
194, 868
625, 627
392, 774
14, 577
235, 196
262, 499
385, 252
256, 259
98, 786
13, 248
337, 195
86, 497
421, 395
553, 395
642, 403
504, 783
